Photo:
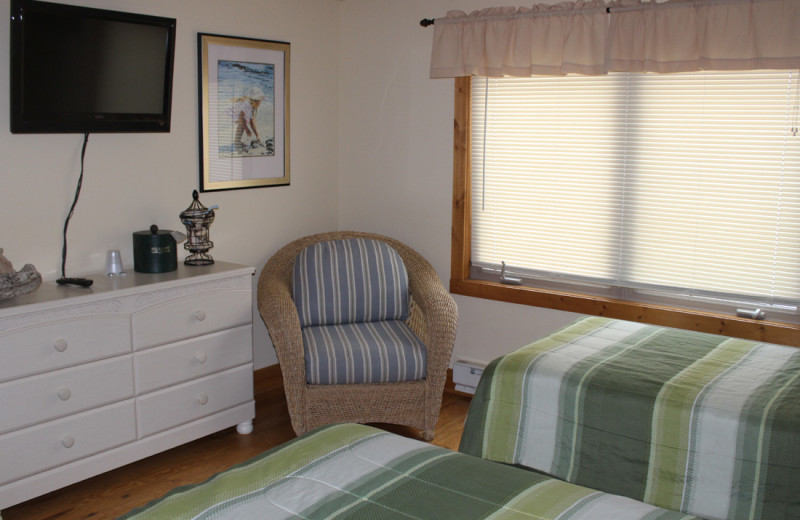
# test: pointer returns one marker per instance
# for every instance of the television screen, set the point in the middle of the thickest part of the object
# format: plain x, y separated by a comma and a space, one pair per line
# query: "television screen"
83, 70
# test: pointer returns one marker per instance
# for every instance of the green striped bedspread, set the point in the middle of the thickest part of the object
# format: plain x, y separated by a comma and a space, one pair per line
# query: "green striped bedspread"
359, 472
704, 424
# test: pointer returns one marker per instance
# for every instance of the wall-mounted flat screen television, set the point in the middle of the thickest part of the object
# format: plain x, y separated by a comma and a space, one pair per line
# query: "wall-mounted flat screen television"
82, 70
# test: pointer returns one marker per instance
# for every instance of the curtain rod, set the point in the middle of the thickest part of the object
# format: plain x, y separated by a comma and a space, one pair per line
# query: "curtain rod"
427, 22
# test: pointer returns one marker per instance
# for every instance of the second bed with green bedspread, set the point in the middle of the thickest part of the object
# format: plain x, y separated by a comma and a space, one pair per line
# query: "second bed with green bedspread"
700, 423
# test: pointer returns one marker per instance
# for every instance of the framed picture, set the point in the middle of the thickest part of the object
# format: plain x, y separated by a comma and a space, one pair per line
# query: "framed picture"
244, 112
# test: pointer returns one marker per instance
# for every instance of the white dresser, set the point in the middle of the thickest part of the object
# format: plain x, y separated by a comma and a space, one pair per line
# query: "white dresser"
92, 379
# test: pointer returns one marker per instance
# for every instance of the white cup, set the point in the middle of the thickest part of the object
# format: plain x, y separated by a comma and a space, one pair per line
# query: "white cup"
114, 263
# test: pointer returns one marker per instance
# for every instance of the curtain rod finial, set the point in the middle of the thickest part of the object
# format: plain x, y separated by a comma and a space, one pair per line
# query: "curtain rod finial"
425, 22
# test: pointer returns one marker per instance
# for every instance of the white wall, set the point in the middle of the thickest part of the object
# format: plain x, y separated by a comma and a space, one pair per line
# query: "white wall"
371, 149
396, 164
134, 180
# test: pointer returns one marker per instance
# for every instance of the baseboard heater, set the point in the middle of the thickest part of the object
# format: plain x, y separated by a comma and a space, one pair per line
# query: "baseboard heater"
466, 375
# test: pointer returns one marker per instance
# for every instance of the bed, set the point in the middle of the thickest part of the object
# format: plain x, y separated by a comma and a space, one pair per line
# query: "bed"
704, 424
350, 471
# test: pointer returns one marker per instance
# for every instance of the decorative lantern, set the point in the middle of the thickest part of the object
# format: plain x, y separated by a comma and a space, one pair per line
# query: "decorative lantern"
197, 219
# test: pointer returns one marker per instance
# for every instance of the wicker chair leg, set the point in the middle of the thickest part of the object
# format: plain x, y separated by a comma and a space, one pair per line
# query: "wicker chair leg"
427, 435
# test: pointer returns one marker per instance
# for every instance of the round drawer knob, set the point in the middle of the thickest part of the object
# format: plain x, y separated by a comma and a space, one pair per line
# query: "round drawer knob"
200, 315
64, 394
68, 441
201, 357
202, 398
60, 345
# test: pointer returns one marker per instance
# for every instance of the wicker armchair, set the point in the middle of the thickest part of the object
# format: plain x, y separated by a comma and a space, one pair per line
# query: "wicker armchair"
432, 317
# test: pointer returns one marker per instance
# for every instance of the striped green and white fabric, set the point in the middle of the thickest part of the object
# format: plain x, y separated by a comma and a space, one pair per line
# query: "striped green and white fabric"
358, 472
704, 424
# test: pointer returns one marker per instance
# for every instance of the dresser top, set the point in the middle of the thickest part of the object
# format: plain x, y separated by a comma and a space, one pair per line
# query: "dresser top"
132, 283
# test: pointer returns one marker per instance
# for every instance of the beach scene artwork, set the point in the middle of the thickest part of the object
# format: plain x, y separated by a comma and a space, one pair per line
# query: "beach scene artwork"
245, 109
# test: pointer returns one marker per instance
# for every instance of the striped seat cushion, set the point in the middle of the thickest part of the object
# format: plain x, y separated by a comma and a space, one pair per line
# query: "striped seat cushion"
369, 352
349, 281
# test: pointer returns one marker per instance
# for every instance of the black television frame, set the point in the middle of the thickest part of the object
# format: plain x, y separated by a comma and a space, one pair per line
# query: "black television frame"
84, 122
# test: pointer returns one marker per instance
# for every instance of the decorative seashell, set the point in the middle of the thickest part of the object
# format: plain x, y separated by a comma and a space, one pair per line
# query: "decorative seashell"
23, 281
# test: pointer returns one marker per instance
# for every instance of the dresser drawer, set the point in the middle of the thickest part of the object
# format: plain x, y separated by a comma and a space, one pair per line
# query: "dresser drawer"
192, 358
48, 396
191, 316
171, 407
52, 444
60, 344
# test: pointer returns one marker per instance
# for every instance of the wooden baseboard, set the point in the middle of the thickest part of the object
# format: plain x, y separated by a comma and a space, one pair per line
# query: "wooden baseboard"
269, 378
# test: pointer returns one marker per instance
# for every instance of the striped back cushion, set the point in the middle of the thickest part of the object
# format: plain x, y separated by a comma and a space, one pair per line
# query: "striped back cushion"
349, 281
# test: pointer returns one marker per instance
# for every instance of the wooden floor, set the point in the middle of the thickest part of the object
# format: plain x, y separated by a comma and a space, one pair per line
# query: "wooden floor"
114, 493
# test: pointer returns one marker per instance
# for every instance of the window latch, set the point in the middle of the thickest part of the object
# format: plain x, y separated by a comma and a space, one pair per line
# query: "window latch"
508, 280
753, 314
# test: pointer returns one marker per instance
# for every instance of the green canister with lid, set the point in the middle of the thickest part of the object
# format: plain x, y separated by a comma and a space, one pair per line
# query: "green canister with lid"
155, 251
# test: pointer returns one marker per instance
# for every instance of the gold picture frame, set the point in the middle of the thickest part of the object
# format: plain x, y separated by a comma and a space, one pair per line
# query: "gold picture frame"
244, 112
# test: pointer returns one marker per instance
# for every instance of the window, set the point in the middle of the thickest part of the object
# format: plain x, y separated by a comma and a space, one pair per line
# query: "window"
679, 192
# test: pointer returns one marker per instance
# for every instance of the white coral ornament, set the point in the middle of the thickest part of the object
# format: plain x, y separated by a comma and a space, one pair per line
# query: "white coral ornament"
16, 283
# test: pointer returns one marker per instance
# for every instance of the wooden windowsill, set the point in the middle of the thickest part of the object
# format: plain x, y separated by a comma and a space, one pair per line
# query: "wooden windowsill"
770, 332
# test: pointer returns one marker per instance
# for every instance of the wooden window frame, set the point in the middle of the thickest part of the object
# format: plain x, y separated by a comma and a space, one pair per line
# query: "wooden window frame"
462, 284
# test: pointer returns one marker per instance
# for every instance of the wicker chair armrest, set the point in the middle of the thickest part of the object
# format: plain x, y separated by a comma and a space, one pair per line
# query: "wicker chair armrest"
436, 306
277, 310
280, 316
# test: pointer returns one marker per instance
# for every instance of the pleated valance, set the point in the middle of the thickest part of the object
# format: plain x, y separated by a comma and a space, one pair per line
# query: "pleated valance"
593, 37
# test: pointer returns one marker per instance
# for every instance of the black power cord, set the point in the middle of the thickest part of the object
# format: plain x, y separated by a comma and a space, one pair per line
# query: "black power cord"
83, 282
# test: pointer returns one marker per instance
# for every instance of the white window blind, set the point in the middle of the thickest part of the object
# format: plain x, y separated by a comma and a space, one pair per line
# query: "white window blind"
641, 186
